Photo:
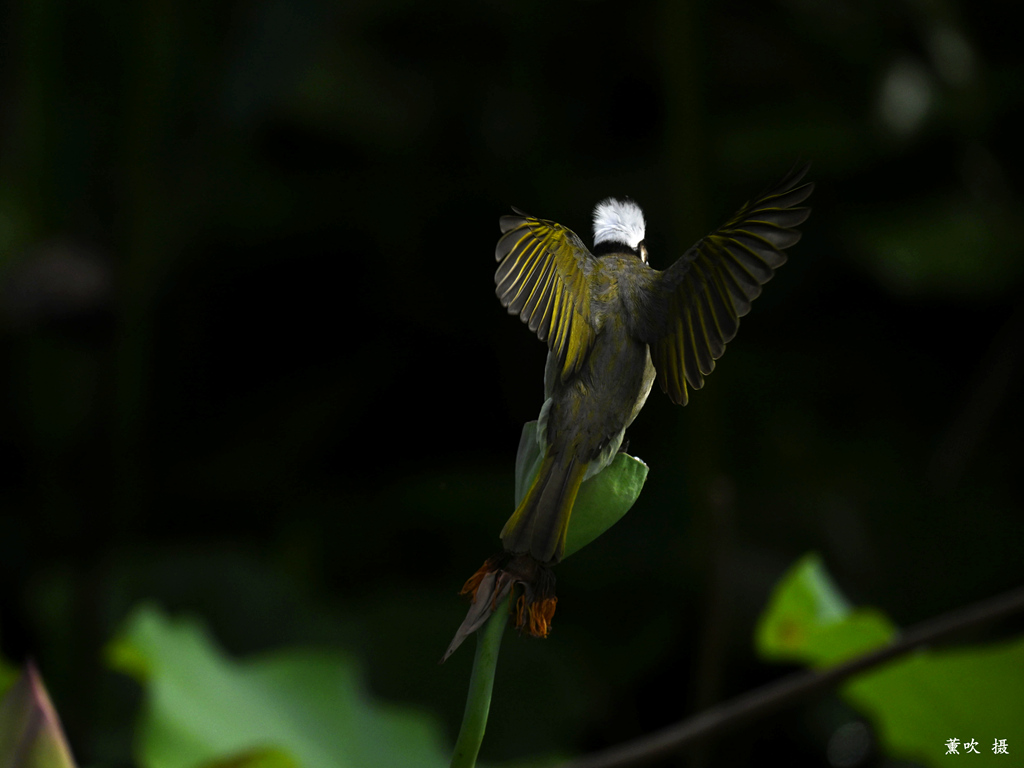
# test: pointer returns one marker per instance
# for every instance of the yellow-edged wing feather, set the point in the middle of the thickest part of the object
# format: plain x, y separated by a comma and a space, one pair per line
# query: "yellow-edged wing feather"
701, 298
543, 278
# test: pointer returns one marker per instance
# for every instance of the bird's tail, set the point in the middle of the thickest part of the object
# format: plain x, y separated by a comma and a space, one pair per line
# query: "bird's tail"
539, 525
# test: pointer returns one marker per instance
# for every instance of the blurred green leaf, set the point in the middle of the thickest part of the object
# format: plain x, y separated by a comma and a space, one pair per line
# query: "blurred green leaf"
808, 620
290, 708
258, 758
916, 703
30, 732
602, 499
967, 693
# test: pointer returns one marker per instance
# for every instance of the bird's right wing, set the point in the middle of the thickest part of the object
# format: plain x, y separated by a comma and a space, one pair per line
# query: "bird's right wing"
543, 278
699, 300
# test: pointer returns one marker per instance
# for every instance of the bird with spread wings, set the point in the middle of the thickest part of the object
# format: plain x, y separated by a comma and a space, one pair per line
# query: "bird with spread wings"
613, 324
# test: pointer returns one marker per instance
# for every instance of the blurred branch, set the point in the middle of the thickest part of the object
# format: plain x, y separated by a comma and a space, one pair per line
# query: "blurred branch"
783, 693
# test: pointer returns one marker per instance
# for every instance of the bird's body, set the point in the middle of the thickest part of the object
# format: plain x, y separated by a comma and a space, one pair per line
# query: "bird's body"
584, 417
613, 324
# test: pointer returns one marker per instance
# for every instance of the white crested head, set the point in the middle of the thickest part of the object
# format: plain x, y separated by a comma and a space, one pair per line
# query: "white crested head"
618, 221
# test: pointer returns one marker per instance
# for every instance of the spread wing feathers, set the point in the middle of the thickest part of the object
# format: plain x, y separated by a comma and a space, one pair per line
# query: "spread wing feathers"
543, 278
702, 297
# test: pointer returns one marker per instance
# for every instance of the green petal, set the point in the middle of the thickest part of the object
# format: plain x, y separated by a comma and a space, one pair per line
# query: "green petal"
602, 500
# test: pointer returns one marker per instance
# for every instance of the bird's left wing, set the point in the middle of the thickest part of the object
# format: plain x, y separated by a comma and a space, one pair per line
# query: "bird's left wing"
543, 278
698, 301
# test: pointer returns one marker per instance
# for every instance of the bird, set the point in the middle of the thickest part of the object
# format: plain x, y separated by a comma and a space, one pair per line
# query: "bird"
613, 325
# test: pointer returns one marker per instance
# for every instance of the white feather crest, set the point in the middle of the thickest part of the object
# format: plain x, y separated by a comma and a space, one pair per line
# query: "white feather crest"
619, 221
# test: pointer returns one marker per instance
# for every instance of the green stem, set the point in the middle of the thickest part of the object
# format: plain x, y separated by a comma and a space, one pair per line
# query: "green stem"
481, 682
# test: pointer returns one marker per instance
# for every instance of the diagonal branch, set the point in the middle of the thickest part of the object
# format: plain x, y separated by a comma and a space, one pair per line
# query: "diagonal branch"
801, 685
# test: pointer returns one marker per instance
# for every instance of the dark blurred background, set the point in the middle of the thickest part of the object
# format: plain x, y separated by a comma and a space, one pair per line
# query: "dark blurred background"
252, 366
